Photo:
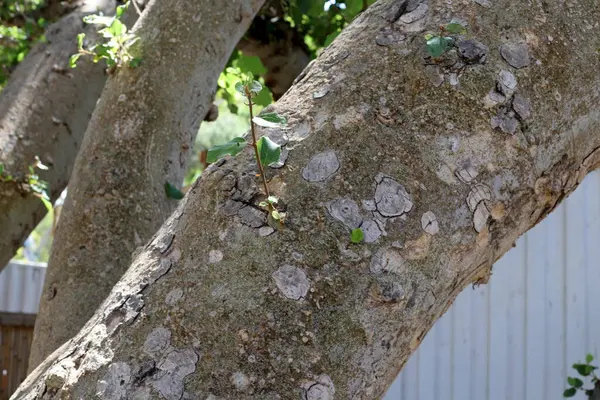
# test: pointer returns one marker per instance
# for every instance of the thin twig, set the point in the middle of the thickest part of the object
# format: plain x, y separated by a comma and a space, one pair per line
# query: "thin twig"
254, 144
137, 8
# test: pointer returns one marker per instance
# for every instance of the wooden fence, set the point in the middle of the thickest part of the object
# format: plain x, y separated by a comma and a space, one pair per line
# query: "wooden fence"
16, 333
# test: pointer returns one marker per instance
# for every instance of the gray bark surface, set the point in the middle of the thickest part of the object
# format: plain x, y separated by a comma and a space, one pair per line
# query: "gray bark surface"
139, 137
44, 111
418, 154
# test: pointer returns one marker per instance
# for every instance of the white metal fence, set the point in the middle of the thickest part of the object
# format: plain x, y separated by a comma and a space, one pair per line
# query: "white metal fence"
517, 337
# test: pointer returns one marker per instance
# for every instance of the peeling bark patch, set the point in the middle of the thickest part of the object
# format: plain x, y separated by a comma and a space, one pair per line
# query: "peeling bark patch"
265, 231
157, 341
429, 223
240, 381
215, 256
507, 83
472, 51
176, 366
415, 15
481, 216
522, 106
174, 296
506, 122
291, 281
493, 98
466, 174
387, 36
435, 75
391, 199
252, 217
516, 54
114, 383
321, 167
387, 260
372, 230
484, 3
345, 210
321, 389
322, 92
477, 194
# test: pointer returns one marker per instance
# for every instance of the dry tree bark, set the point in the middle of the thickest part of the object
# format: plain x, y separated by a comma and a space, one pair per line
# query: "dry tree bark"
442, 163
139, 138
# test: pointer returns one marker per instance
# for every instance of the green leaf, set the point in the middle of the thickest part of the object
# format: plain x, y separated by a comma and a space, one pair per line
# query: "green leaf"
357, 235
80, 40
73, 60
1, 169
272, 200
276, 215
575, 382
589, 369
135, 62
570, 392
47, 203
232, 148
263, 204
117, 28
270, 120
255, 87
437, 46
429, 36
582, 369
98, 19
589, 358
269, 151
121, 9
240, 88
455, 28
250, 64
173, 192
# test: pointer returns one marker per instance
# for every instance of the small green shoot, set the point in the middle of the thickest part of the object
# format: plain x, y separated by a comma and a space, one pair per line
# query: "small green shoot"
31, 181
116, 42
357, 236
438, 44
266, 152
172, 192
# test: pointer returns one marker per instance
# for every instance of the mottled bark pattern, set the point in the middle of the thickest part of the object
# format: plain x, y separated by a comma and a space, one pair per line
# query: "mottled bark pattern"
301, 313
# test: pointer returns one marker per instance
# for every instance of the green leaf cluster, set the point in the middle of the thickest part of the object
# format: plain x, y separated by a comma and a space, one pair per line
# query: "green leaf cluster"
20, 30
116, 42
438, 44
32, 181
586, 370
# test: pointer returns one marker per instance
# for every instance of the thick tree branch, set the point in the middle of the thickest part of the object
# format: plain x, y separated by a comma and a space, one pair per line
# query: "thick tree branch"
44, 111
438, 176
139, 138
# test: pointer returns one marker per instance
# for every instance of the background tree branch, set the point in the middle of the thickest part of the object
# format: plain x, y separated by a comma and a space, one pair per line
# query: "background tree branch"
140, 137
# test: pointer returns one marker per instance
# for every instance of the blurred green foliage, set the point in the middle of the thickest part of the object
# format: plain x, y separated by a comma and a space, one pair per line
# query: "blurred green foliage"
19, 31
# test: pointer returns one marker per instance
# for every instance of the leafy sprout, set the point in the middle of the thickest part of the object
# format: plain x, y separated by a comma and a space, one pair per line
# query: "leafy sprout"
116, 42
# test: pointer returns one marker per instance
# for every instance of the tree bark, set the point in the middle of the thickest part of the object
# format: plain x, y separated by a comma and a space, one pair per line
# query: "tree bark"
139, 137
413, 151
44, 111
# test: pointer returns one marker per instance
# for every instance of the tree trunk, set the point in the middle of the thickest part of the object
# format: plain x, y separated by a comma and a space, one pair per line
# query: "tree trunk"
44, 111
139, 138
442, 163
